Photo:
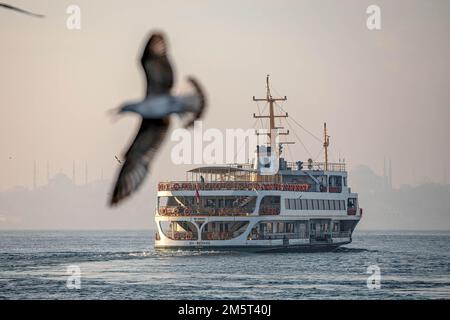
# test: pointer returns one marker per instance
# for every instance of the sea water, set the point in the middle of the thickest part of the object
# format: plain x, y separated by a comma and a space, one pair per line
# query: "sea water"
124, 265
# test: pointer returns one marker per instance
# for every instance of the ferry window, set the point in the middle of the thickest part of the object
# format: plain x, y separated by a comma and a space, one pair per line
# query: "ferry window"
280, 227
288, 204
292, 204
271, 200
297, 204
336, 226
331, 204
179, 230
310, 205
304, 204
345, 181
342, 205
327, 205
320, 204
351, 203
289, 228
162, 201
335, 181
168, 201
270, 205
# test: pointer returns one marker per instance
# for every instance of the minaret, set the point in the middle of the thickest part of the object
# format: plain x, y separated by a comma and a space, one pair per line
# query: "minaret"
48, 172
34, 175
73, 173
390, 173
445, 174
384, 173
86, 173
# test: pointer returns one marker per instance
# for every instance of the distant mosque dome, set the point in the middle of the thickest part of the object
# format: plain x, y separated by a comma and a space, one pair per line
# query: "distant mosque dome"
60, 179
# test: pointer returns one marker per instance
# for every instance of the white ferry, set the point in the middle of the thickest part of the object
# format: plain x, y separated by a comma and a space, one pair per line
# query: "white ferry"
304, 206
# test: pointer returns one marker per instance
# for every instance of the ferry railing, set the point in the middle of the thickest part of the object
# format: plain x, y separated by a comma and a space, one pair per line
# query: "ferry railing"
278, 236
237, 185
180, 235
178, 211
299, 235
217, 235
269, 210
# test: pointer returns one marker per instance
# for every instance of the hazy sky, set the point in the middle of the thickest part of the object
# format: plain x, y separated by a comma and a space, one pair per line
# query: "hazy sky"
382, 93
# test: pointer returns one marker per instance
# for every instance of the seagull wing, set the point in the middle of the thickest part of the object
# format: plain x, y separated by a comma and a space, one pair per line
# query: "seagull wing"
157, 67
138, 158
198, 102
10, 7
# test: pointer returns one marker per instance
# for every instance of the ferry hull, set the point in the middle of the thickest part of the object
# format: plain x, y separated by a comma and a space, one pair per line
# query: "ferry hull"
316, 247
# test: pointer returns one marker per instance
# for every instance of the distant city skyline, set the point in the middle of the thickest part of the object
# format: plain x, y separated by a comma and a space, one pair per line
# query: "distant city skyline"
62, 204
80, 175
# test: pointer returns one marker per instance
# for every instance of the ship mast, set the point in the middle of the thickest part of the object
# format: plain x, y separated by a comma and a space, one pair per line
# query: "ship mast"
326, 143
270, 100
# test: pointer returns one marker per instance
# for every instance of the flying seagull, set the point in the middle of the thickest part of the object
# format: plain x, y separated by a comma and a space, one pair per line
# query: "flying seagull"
155, 111
10, 7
